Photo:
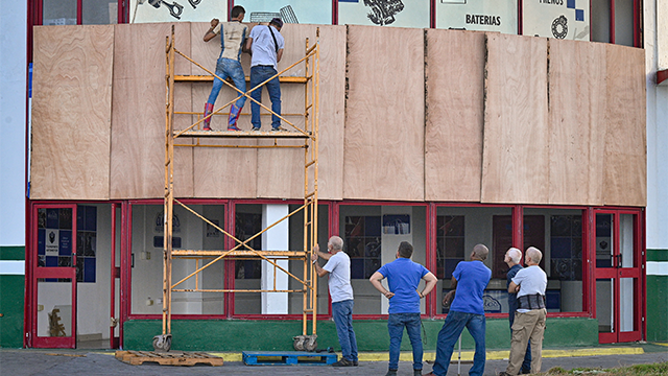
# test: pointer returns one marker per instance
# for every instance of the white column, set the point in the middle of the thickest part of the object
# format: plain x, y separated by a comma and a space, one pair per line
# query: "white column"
275, 239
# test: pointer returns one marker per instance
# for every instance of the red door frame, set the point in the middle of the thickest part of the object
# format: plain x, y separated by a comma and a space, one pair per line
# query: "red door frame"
617, 272
36, 273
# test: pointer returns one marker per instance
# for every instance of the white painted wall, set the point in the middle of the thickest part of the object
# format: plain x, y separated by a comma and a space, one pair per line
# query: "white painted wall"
656, 50
13, 25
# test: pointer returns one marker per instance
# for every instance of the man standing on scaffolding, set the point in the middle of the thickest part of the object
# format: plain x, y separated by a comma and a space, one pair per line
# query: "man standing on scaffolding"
232, 37
266, 45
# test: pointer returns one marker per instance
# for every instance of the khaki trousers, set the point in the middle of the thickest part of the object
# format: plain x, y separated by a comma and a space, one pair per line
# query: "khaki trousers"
527, 325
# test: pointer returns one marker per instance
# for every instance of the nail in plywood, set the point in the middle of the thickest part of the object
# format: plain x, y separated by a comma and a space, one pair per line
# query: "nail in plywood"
515, 146
384, 134
71, 113
625, 178
219, 172
576, 83
454, 108
138, 132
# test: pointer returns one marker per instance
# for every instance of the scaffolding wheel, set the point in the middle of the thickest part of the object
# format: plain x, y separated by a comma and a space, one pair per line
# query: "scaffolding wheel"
162, 342
298, 343
311, 343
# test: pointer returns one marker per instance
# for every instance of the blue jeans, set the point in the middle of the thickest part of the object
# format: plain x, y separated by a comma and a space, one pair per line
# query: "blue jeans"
448, 336
258, 75
395, 326
526, 364
228, 68
342, 312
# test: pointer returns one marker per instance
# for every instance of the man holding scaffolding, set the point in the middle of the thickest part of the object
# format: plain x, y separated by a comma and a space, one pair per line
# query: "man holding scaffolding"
341, 291
232, 37
266, 45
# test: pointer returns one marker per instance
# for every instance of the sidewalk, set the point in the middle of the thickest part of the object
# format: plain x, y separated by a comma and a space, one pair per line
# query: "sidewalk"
85, 362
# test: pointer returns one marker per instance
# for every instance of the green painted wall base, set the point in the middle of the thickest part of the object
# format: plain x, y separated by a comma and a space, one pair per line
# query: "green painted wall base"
657, 294
243, 335
12, 296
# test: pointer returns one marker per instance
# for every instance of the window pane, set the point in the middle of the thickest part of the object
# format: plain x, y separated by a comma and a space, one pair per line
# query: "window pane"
54, 315
624, 22
484, 15
297, 11
567, 19
59, 12
604, 241
99, 12
414, 13
605, 305
189, 233
626, 240
627, 305
600, 22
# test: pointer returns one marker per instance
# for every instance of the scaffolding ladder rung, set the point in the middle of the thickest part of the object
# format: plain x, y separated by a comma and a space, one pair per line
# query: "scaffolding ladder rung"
309, 164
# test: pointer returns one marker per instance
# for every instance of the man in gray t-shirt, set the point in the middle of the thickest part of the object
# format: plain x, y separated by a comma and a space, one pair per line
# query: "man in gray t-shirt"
341, 291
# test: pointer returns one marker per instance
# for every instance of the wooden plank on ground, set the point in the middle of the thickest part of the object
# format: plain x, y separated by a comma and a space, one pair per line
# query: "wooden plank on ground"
174, 358
576, 77
625, 179
138, 130
384, 131
71, 112
515, 143
454, 109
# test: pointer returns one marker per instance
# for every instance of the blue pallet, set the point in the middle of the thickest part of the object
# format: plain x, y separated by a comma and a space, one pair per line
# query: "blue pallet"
287, 358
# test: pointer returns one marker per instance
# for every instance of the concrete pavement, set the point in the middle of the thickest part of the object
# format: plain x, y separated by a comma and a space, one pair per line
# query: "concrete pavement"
86, 362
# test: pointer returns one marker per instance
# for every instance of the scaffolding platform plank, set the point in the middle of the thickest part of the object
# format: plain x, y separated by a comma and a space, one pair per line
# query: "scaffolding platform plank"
241, 134
287, 358
238, 253
136, 358
209, 78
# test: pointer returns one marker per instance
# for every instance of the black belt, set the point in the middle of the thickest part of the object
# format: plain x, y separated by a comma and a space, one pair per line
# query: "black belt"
531, 302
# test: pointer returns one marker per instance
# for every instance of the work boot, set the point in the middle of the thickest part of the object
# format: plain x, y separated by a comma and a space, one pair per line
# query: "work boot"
208, 109
343, 362
232, 119
417, 372
391, 372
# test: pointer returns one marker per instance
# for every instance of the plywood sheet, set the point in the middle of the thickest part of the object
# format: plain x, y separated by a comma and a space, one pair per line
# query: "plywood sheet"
454, 109
576, 78
71, 112
384, 134
515, 144
625, 177
138, 131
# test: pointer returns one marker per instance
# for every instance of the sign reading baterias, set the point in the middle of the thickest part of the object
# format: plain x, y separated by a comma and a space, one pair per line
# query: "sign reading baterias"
177, 10
403, 13
561, 19
483, 15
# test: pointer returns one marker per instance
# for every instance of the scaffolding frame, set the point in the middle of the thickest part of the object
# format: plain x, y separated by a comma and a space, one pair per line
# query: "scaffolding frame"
242, 250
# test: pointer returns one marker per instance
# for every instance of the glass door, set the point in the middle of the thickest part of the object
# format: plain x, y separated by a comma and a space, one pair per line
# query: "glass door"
617, 273
54, 275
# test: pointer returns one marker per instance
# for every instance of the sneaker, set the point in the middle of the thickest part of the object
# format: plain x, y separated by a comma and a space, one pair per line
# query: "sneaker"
206, 128
255, 129
233, 128
525, 371
343, 362
391, 372
430, 374
279, 129
504, 374
356, 363
417, 372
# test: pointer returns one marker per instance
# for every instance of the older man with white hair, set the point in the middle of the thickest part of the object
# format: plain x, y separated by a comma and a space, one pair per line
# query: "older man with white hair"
529, 284
512, 259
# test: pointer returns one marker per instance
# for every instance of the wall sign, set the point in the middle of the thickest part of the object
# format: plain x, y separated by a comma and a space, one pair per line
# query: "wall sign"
177, 10
560, 19
403, 13
483, 15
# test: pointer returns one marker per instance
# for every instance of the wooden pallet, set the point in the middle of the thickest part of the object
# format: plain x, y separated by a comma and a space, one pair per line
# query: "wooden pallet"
168, 359
287, 358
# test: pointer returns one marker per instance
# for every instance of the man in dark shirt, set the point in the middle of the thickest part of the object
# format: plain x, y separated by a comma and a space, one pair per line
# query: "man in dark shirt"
512, 259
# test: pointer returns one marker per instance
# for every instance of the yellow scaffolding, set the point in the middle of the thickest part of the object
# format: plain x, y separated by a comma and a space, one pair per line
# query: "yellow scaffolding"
242, 249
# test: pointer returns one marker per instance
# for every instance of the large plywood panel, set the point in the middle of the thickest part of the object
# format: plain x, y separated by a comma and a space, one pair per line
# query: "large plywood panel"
515, 145
138, 131
576, 86
625, 177
384, 132
454, 107
71, 112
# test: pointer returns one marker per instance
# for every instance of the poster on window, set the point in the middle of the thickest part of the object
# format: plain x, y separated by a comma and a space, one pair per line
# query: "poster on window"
290, 11
560, 19
483, 15
142, 11
402, 13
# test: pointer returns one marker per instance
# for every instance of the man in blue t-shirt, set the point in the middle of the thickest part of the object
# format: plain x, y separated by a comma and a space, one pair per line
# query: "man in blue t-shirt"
403, 277
467, 310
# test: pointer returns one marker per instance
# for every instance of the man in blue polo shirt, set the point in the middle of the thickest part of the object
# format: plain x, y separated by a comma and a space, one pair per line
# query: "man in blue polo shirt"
467, 310
403, 277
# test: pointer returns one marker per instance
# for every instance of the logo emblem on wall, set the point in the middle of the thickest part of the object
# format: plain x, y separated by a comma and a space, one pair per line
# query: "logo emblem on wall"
175, 9
560, 27
383, 11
